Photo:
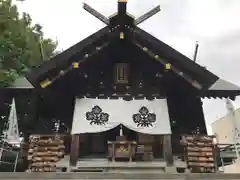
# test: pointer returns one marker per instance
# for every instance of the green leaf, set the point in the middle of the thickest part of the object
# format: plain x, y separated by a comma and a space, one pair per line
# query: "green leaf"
20, 43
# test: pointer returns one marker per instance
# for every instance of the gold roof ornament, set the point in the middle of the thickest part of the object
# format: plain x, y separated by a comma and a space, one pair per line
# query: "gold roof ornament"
121, 35
145, 49
45, 83
168, 66
75, 65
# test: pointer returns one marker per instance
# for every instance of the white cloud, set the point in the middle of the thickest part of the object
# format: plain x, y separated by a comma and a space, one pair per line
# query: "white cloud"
179, 24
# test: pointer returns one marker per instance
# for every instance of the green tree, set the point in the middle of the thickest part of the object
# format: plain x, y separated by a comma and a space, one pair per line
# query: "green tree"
22, 44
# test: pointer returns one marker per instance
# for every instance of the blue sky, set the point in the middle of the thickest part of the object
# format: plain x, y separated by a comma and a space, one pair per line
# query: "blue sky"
180, 24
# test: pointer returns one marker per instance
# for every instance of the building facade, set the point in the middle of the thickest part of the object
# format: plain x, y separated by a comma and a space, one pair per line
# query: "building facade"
224, 128
121, 61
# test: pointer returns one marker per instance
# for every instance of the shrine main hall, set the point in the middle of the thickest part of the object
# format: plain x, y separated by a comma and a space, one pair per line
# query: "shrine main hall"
122, 94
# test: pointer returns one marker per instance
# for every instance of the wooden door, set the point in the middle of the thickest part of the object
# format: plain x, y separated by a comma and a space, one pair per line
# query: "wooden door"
98, 143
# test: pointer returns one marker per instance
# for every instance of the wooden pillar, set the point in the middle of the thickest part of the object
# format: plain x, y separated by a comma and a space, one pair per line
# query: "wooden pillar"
167, 150
74, 150
33, 113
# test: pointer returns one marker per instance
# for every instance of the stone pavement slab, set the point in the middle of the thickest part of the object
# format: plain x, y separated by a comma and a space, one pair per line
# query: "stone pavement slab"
117, 176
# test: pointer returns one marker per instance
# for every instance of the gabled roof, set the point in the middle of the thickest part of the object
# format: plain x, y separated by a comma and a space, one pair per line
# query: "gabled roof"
210, 83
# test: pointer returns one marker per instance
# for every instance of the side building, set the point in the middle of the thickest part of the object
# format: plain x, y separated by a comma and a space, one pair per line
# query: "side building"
223, 128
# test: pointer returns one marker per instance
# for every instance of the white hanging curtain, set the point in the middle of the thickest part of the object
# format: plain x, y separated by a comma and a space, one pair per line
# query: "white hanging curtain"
98, 115
148, 117
94, 116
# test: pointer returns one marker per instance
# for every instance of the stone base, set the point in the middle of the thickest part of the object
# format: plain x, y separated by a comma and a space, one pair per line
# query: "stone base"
187, 170
71, 168
170, 169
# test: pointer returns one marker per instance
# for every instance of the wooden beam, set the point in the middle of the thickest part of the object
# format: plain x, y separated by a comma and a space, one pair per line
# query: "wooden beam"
193, 82
147, 15
74, 150
47, 82
195, 52
96, 14
167, 150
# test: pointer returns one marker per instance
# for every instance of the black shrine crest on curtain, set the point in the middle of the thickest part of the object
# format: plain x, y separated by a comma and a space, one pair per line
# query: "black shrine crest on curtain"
97, 117
144, 118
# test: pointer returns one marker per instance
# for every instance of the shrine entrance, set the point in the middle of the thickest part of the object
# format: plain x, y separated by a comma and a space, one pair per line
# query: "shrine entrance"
120, 130
96, 145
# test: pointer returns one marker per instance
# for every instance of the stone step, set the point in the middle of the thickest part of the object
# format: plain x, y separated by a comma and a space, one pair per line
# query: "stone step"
117, 176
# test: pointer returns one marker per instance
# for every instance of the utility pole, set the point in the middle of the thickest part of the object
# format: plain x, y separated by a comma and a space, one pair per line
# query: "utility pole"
195, 52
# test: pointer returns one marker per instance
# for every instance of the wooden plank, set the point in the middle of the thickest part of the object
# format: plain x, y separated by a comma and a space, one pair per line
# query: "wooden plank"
206, 159
201, 149
203, 164
200, 154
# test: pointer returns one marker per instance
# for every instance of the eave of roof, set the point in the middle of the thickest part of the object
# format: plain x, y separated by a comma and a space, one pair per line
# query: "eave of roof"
221, 84
21, 83
222, 89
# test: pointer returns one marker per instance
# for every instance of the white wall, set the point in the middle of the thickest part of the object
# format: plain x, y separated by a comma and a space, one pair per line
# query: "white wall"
224, 127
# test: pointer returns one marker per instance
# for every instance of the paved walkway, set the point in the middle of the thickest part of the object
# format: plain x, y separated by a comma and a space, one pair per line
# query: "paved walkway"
116, 176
